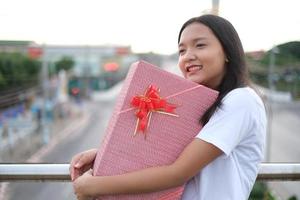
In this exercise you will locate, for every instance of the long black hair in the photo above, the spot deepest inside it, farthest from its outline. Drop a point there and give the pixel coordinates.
(236, 74)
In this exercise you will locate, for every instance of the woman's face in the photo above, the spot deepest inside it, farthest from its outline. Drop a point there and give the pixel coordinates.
(201, 56)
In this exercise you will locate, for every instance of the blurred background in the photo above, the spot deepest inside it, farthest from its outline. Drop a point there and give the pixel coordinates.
(62, 64)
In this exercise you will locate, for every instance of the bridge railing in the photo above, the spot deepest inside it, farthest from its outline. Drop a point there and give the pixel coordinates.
(60, 172)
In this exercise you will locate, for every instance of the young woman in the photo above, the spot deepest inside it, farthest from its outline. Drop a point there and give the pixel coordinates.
(222, 161)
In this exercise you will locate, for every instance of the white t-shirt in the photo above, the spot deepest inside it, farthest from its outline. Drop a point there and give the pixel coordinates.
(238, 128)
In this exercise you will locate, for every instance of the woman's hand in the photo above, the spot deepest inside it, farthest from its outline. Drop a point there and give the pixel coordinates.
(81, 163)
(81, 187)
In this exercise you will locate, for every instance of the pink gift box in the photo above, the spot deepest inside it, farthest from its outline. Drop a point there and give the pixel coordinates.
(166, 135)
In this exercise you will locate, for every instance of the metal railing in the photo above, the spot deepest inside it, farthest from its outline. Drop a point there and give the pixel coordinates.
(60, 172)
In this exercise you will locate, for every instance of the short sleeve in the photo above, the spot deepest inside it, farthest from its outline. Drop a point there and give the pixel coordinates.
(230, 123)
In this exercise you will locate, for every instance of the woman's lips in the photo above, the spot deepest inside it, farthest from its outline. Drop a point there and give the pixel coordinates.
(193, 68)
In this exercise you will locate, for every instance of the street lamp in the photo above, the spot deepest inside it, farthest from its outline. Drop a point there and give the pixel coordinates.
(271, 77)
(45, 86)
(271, 80)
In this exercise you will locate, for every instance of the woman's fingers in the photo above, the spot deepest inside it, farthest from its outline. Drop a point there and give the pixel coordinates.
(87, 158)
(81, 163)
(76, 174)
(73, 162)
(83, 160)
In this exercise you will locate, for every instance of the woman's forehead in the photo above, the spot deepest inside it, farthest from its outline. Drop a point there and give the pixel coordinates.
(195, 32)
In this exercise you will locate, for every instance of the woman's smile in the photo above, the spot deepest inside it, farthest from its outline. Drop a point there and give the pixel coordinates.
(193, 68)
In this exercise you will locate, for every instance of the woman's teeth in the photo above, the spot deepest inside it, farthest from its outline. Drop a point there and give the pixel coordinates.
(193, 68)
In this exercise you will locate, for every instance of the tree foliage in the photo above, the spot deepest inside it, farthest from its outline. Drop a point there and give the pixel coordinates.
(288, 54)
(65, 63)
(17, 70)
(285, 67)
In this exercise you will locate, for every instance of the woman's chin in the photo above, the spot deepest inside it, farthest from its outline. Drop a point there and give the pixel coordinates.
(194, 79)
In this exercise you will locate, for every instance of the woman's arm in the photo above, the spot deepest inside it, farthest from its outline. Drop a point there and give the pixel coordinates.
(194, 157)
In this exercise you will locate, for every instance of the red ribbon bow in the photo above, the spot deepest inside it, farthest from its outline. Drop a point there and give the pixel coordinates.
(148, 103)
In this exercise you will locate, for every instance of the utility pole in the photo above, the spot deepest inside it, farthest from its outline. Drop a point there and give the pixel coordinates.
(272, 88)
(271, 76)
(215, 7)
(45, 93)
(87, 72)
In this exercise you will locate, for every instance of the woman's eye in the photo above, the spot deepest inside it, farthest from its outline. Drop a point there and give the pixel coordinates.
(181, 51)
(200, 45)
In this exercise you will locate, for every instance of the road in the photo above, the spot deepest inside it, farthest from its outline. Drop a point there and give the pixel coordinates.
(88, 137)
(285, 142)
(284, 146)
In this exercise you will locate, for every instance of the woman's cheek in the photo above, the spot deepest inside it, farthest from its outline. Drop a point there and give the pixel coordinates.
(183, 72)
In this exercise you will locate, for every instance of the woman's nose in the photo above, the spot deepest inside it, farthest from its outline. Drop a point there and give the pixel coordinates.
(189, 55)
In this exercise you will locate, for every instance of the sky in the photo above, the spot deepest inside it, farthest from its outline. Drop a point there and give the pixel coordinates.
(145, 25)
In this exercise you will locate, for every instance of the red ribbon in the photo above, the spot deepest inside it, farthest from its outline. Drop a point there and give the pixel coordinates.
(148, 103)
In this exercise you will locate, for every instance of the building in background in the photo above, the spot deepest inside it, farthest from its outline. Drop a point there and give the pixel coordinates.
(93, 64)
(11, 46)
(96, 67)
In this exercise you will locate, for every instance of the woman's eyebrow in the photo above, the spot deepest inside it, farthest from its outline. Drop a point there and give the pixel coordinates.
(199, 39)
(193, 40)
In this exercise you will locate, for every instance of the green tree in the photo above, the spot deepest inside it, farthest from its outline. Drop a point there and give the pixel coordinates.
(65, 63)
(260, 192)
(289, 54)
(286, 69)
(2, 80)
(293, 198)
(17, 70)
